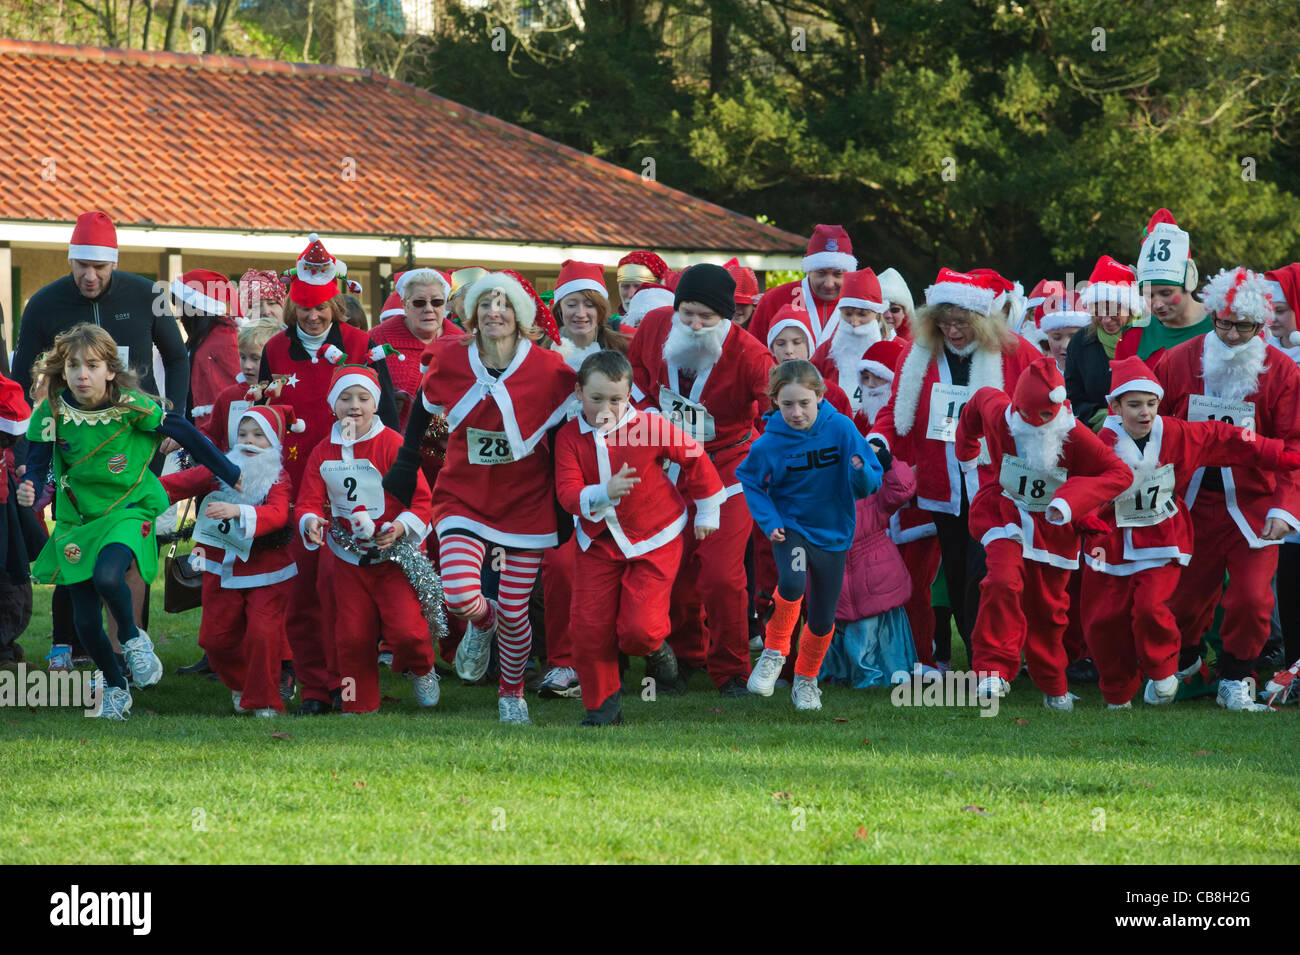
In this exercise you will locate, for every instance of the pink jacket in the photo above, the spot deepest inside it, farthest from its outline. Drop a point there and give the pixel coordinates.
(875, 577)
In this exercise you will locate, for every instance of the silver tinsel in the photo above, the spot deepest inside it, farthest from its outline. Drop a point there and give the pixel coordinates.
(418, 569)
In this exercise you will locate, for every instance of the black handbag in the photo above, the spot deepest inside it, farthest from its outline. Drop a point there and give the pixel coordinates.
(182, 581)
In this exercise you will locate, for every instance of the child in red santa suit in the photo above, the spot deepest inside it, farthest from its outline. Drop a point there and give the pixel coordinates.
(1133, 568)
(1241, 513)
(609, 473)
(342, 486)
(1044, 471)
(227, 411)
(242, 542)
(858, 326)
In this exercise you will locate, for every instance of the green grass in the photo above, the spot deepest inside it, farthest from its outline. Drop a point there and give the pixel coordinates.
(695, 778)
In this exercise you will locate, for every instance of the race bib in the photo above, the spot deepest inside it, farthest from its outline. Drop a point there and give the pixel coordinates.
(124, 356)
(690, 416)
(1033, 490)
(488, 447)
(1149, 501)
(1205, 408)
(350, 483)
(1164, 255)
(946, 402)
(237, 409)
(223, 532)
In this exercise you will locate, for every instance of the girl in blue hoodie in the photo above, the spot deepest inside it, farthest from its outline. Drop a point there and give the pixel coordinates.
(801, 479)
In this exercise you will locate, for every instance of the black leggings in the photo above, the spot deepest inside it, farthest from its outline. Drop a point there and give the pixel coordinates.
(109, 585)
(800, 566)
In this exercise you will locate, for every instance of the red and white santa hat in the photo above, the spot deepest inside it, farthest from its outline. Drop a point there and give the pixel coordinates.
(316, 275)
(421, 276)
(862, 290)
(15, 415)
(640, 266)
(392, 306)
(275, 421)
(1039, 388)
(960, 289)
(1115, 283)
(1001, 286)
(345, 376)
(580, 277)
(94, 238)
(829, 248)
(882, 359)
(1132, 374)
(529, 309)
(257, 286)
(747, 290)
(208, 292)
(787, 316)
(1239, 293)
(1055, 308)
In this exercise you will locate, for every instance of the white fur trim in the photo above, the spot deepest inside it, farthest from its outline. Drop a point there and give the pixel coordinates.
(785, 323)
(1137, 384)
(525, 310)
(644, 302)
(1127, 295)
(895, 290)
(579, 285)
(1062, 505)
(92, 253)
(196, 299)
(876, 368)
(311, 278)
(829, 260)
(1057, 394)
(1056, 320)
(971, 297)
(985, 371)
(9, 426)
(390, 312)
(879, 307)
(422, 277)
(347, 381)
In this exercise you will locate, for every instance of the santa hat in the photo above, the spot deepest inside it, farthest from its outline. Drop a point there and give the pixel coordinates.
(208, 292)
(259, 286)
(14, 412)
(646, 300)
(862, 290)
(640, 266)
(1241, 293)
(1055, 307)
(962, 290)
(1115, 283)
(882, 359)
(385, 351)
(787, 316)
(580, 277)
(392, 306)
(316, 276)
(1002, 287)
(1071, 318)
(331, 353)
(529, 309)
(94, 238)
(421, 277)
(1132, 374)
(363, 525)
(275, 421)
(895, 290)
(747, 290)
(1039, 388)
(829, 248)
(1284, 286)
(345, 376)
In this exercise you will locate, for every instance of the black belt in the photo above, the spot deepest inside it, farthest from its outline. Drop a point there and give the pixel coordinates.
(713, 455)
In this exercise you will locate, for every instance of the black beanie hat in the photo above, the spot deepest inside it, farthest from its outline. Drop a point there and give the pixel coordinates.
(710, 285)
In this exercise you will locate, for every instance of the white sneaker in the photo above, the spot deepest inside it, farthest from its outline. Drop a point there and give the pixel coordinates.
(1239, 695)
(560, 683)
(265, 712)
(992, 686)
(114, 704)
(1120, 706)
(805, 693)
(235, 697)
(474, 652)
(427, 691)
(513, 709)
(386, 658)
(762, 680)
(146, 669)
(1187, 671)
(1065, 703)
(1160, 692)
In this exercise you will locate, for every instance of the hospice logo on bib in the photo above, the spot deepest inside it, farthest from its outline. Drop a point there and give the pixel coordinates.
(117, 464)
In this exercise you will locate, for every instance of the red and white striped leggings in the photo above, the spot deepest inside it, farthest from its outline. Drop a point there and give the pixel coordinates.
(461, 559)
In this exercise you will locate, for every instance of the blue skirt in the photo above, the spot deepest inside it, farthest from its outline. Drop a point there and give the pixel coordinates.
(877, 651)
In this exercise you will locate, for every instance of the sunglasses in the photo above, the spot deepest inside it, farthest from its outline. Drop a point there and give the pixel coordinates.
(1244, 329)
(421, 302)
(957, 326)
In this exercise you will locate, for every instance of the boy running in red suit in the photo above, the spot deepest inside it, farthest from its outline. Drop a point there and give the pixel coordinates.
(1044, 471)
(608, 471)
(342, 486)
(1240, 513)
(242, 542)
(1133, 569)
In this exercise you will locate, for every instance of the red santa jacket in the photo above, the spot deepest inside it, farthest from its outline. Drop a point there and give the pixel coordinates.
(214, 365)
(498, 482)
(1251, 495)
(222, 426)
(653, 512)
(1185, 448)
(799, 294)
(847, 378)
(341, 476)
(1094, 475)
(265, 564)
(731, 391)
(903, 423)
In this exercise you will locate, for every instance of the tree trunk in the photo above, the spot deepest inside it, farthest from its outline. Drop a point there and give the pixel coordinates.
(345, 33)
(719, 27)
(220, 13)
(148, 20)
(173, 24)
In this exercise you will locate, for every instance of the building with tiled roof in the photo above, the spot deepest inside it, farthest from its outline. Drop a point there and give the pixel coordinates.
(227, 163)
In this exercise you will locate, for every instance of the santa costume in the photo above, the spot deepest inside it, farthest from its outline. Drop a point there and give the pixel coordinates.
(249, 566)
(639, 268)
(829, 248)
(898, 295)
(748, 294)
(1285, 287)
(207, 304)
(1045, 470)
(1259, 388)
(710, 383)
(837, 357)
(791, 318)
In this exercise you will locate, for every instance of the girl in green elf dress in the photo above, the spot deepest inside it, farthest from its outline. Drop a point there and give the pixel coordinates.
(101, 433)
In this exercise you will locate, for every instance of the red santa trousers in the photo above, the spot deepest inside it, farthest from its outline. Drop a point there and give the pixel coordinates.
(921, 558)
(619, 605)
(1023, 606)
(557, 591)
(309, 622)
(366, 598)
(712, 577)
(1076, 646)
(1248, 601)
(242, 632)
(1130, 629)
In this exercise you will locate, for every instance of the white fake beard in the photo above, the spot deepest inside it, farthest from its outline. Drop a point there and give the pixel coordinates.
(691, 350)
(1232, 373)
(258, 473)
(965, 352)
(873, 399)
(1040, 446)
(848, 345)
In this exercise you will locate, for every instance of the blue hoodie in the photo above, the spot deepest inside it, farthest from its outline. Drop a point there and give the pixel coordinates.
(805, 480)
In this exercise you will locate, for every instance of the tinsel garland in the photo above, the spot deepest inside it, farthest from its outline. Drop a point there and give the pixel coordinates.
(418, 569)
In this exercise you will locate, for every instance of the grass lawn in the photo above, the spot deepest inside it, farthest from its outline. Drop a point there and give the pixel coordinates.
(695, 778)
